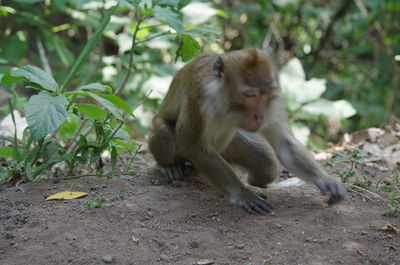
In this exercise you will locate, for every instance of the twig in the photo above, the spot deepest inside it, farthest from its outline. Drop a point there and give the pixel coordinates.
(155, 36)
(123, 83)
(365, 190)
(153, 26)
(75, 135)
(128, 165)
(17, 185)
(97, 175)
(341, 12)
(42, 55)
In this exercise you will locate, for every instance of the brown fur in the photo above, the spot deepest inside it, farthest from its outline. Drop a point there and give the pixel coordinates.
(212, 105)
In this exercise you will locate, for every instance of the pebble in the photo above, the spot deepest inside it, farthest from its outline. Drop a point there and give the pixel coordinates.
(164, 257)
(107, 258)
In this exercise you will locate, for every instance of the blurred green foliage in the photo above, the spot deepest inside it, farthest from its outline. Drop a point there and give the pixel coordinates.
(78, 114)
(353, 45)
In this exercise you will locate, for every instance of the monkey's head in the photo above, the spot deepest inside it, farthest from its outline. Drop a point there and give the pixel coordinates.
(248, 78)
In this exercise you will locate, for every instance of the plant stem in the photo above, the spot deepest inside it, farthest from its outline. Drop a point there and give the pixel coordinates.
(123, 83)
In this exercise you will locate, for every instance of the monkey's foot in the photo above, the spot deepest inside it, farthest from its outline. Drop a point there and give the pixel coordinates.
(333, 187)
(253, 203)
(173, 172)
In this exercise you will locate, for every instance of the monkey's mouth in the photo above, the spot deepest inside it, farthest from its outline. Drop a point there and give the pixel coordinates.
(251, 127)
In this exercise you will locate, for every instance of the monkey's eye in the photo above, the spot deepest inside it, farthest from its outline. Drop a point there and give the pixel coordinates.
(249, 94)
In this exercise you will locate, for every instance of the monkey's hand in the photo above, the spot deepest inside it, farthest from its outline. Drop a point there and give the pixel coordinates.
(252, 202)
(333, 187)
(173, 172)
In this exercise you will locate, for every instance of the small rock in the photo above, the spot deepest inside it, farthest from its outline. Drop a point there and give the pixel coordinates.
(204, 262)
(107, 258)
(135, 240)
(70, 237)
(164, 257)
(9, 236)
(155, 182)
(240, 246)
(194, 244)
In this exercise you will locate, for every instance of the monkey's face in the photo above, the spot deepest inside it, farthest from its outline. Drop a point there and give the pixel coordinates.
(248, 78)
(250, 106)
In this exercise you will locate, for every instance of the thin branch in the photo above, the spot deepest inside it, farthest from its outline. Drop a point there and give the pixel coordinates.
(155, 36)
(75, 135)
(341, 12)
(365, 190)
(153, 26)
(123, 83)
(42, 55)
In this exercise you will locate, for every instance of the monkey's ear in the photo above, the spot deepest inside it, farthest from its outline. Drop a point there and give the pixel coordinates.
(218, 68)
(253, 57)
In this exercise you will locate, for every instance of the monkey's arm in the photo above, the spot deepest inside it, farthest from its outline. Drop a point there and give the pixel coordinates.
(221, 175)
(193, 146)
(296, 158)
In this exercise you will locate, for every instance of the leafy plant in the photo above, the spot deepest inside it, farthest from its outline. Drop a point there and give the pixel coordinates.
(76, 122)
(354, 156)
(100, 201)
(304, 100)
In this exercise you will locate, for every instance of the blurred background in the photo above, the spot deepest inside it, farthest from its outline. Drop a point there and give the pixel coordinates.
(339, 60)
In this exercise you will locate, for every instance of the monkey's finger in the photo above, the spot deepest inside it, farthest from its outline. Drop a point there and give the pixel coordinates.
(262, 195)
(248, 208)
(264, 205)
(168, 174)
(256, 208)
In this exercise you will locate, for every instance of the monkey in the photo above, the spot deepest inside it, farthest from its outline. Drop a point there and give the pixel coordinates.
(224, 109)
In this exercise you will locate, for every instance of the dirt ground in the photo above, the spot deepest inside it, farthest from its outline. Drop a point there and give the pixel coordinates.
(152, 222)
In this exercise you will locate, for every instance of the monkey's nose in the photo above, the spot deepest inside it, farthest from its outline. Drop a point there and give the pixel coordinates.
(258, 117)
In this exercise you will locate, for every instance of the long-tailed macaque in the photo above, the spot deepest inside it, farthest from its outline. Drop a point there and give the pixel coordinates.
(209, 117)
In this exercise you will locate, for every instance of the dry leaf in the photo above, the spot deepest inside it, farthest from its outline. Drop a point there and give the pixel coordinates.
(66, 195)
(389, 228)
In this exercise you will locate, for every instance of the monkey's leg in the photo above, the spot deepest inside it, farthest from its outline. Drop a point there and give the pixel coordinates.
(162, 145)
(256, 155)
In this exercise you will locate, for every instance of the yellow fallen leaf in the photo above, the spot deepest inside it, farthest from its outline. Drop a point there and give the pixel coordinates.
(66, 195)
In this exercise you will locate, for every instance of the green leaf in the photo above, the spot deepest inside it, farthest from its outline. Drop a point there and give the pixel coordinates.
(310, 90)
(171, 3)
(117, 101)
(45, 113)
(335, 110)
(14, 48)
(204, 32)
(294, 69)
(190, 48)
(92, 111)
(107, 104)
(6, 151)
(37, 76)
(169, 16)
(198, 13)
(28, 1)
(301, 132)
(96, 86)
(9, 80)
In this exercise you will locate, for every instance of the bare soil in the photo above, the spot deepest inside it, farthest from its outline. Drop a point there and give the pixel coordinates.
(188, 223)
